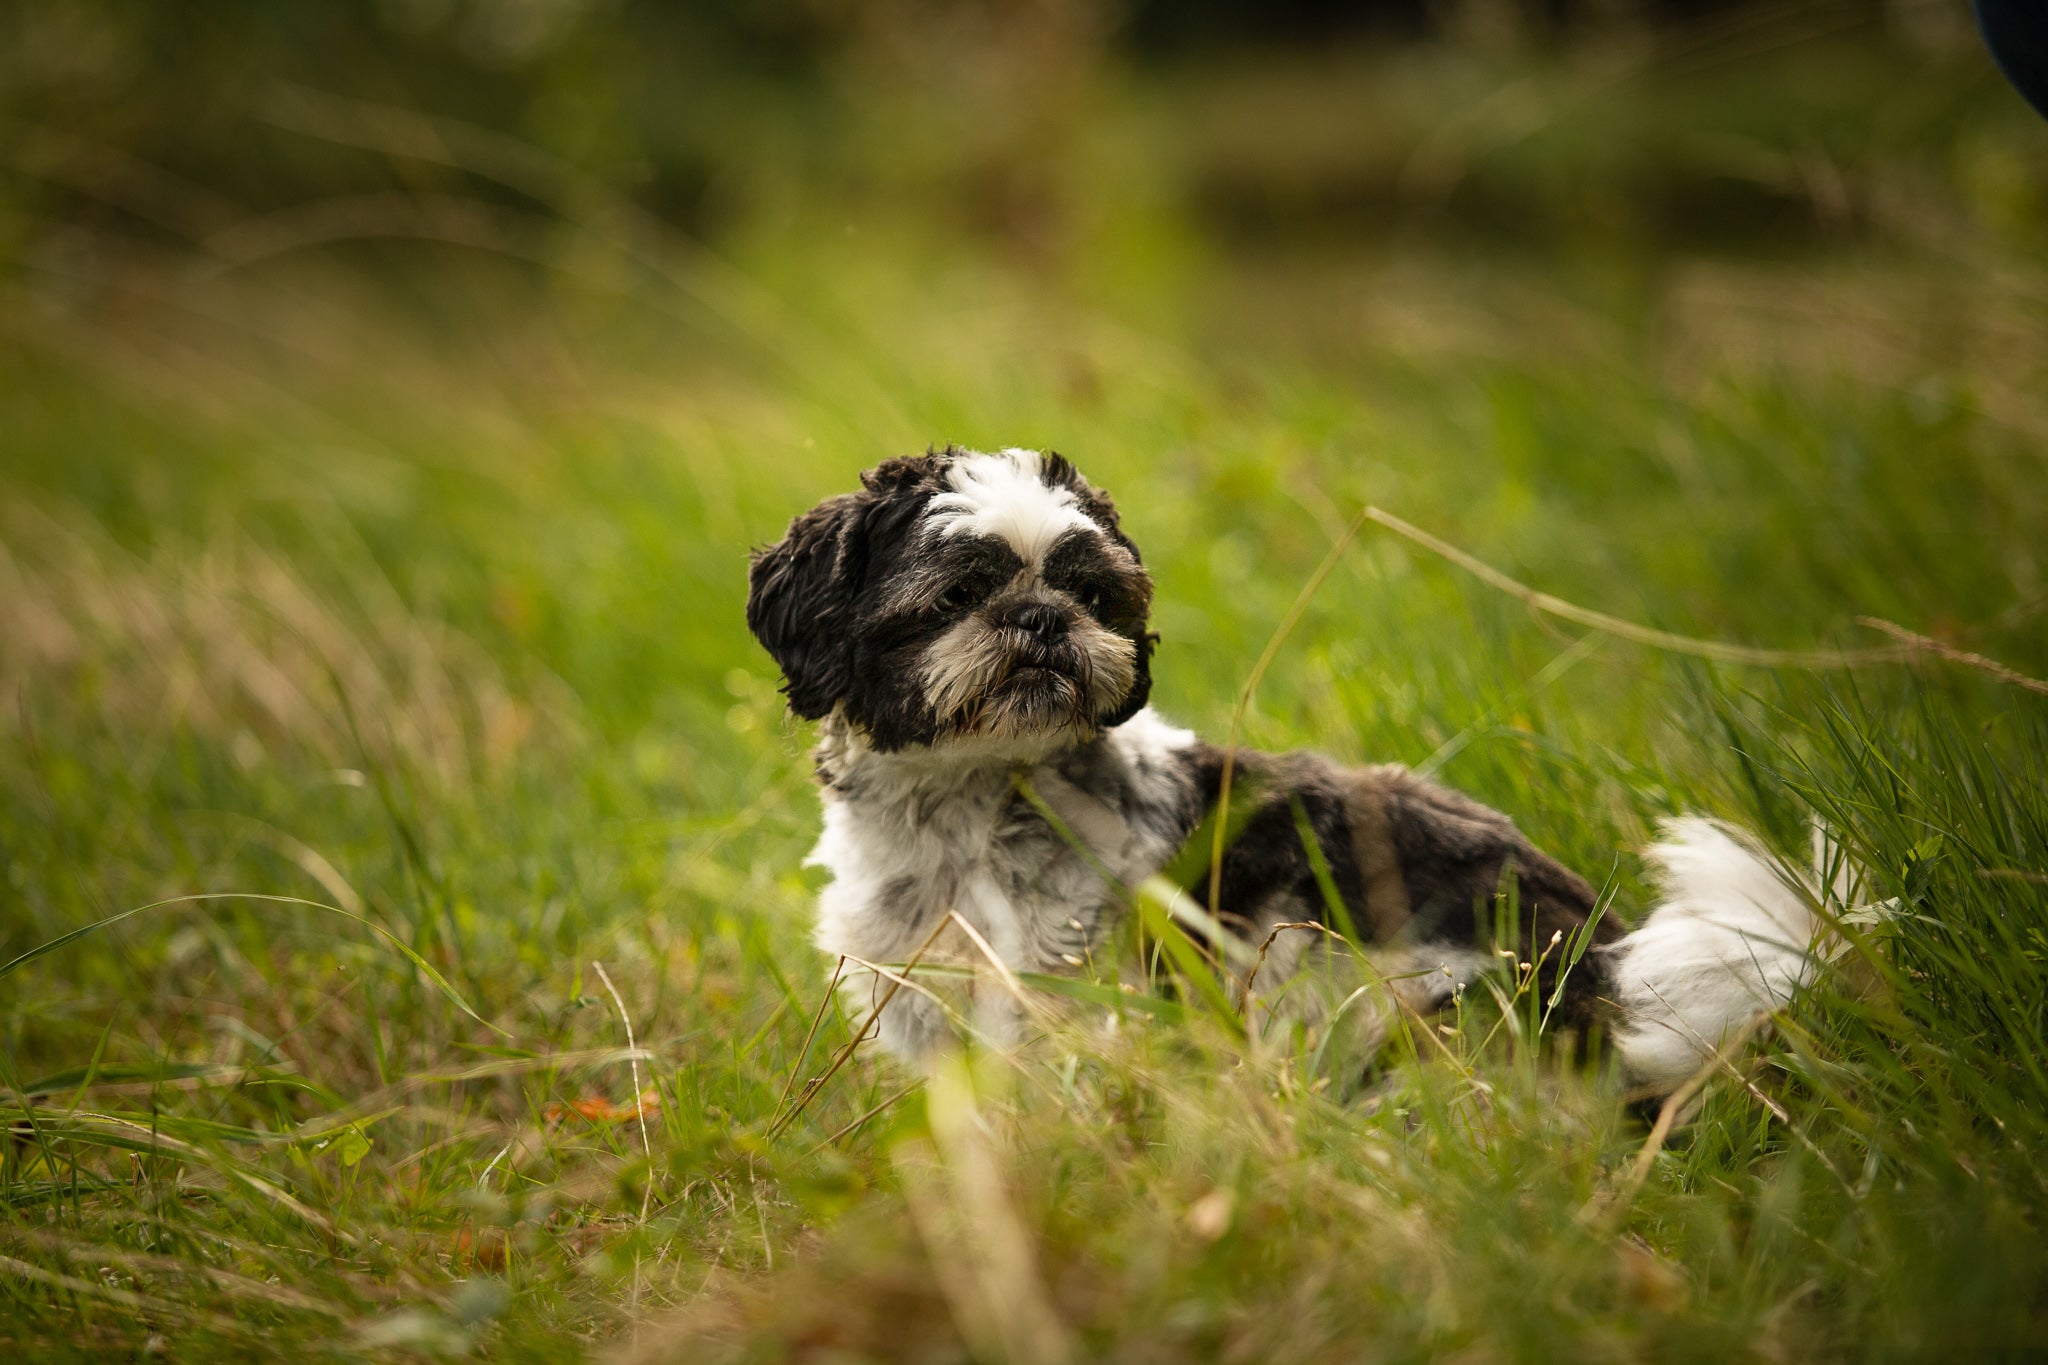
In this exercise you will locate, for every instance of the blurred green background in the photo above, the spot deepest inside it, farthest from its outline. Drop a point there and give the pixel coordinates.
(389, 395)
(418, 262)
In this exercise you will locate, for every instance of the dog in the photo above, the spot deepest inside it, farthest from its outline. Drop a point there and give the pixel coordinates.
(970, 630)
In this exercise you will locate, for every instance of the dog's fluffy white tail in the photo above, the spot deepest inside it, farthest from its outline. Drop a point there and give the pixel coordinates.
(1732, 934)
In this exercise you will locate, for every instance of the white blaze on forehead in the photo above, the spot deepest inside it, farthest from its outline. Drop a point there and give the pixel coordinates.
(1005, 495)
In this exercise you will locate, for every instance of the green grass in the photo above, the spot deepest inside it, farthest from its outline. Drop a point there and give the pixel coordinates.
(404, 580)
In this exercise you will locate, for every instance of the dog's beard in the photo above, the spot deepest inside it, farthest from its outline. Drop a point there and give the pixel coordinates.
(983, 679)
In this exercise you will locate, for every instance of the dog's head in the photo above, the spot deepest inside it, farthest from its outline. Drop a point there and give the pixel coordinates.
(959, 596)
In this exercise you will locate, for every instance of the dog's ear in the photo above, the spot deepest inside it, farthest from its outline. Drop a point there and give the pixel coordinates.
(1059, 472)
(1141, 683)
(800, 601)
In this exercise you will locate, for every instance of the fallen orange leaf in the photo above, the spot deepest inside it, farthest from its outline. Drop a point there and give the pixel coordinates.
(488, 1249)
(598, 1109)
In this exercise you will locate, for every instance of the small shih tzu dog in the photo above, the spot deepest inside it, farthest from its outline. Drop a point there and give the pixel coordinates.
(970, 629)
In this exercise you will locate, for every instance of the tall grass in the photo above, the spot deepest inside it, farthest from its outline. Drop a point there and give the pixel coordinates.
(405, 581)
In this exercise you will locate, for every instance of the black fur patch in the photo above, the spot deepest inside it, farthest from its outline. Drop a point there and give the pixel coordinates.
(799, 600)
(1454, 857)
(1266, 862)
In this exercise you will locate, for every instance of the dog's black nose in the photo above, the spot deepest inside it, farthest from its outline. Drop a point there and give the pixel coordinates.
(1041, 619)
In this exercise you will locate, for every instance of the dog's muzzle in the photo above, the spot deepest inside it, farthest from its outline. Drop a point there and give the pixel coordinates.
(1025, 666)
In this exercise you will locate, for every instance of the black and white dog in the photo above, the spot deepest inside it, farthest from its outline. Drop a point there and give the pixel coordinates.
(970, 629)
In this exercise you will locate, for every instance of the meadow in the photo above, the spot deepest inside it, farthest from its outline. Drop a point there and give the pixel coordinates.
(403, 931)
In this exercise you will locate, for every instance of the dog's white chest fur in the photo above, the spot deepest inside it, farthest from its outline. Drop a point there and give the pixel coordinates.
(910, 837)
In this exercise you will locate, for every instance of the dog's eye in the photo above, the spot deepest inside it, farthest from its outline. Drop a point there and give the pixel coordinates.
(954, 598)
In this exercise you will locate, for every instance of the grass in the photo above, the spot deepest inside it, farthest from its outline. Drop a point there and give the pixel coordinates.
(370, 628)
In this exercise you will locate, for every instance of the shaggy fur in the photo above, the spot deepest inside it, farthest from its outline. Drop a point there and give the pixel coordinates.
(971, 630)
(1732, 934)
